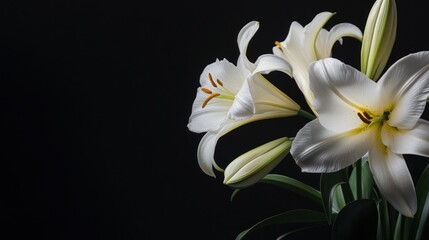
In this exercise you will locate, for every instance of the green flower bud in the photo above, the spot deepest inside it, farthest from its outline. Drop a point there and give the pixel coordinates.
(253, 165)
(378, 38)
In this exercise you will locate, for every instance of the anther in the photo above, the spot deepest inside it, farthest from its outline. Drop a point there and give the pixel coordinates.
(210, 98)
(365, 120)
(211, 81)
(208, 91)
(219, 82)
(278, 44)
(367, 115)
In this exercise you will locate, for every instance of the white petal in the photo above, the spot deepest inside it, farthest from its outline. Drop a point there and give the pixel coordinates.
(209, 118)
(259, 96)
(243, 39)
(268, 62)
(413, 141)
(311, 30)
(392, 177)
(316, 149)
(229, 74)
(406, 87)
(207, 146)
(324, 46)
(341, 92)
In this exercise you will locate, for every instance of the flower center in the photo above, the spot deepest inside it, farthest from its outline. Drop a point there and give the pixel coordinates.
(370, 118)
(212, 94)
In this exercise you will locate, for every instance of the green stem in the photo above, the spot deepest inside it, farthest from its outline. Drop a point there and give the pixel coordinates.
(359, 179)
(306, 114)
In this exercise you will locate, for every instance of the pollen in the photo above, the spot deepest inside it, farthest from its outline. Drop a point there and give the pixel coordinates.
(210, 97)
(278, 44)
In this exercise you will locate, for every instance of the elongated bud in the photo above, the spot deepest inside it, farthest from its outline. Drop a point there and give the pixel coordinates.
(253, 165)
(378, 38)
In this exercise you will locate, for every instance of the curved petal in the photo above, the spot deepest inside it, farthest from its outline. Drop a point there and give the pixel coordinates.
(226, 72)
(412, 141)
(209, 118)
(268, 62)
(406, 88)
(392, 177)
(311, 30)
(325, 45)
(259, 96)
(316, 149)
(341, 92)
(244, 36)
(207, 145)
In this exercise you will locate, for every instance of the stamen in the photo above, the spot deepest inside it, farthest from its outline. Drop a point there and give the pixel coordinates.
(208, 91)
(278, 44)
(363, 118)
(219, 82)
(210, 98)
(367, 115)
(211, 81)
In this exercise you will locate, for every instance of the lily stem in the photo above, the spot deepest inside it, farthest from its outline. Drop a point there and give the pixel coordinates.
(359, 179)
(306, 114)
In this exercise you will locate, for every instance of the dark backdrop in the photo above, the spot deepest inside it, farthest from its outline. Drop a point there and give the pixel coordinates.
(95, 99)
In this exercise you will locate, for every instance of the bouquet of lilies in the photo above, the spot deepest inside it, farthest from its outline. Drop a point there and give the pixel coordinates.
(362, 122)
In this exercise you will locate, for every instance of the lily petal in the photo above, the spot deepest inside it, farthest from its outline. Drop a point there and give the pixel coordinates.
(316, 149)
(341, 92)
(326, 40)
(393, 178)
(312, 30)
(268, 62)
(412, 141)
(259, 96)
(407, 83)
(244, 36)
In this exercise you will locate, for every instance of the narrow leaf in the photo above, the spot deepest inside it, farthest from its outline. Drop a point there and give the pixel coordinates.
(329, 181)
(292, 216)
(366, 178)
(420, 222)
(293, 185)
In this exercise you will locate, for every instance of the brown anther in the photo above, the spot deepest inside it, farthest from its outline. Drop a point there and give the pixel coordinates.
(208, 91)
(363, 118)
(209, 98)
(211, 81)
(219, 82)
(367, 115)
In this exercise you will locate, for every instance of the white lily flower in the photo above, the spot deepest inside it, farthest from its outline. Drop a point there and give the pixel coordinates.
(220, 105)
(252, 166)
(358, 115)
(303, 45)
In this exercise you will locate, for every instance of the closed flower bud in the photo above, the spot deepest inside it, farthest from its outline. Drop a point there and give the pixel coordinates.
(253, 165)
(378, 38)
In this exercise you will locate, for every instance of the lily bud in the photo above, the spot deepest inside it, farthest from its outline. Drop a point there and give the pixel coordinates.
(378, 38)
(253, 165)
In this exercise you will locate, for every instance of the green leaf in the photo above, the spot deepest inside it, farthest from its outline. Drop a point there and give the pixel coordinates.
(398, 228)
(293, 185)
(328, 182)
(281, 237)
(357, 220)
(366, 178)
(233, 194)
(292, 216)
(420, 223)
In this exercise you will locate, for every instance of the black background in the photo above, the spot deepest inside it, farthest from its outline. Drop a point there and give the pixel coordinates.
(95, 99)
